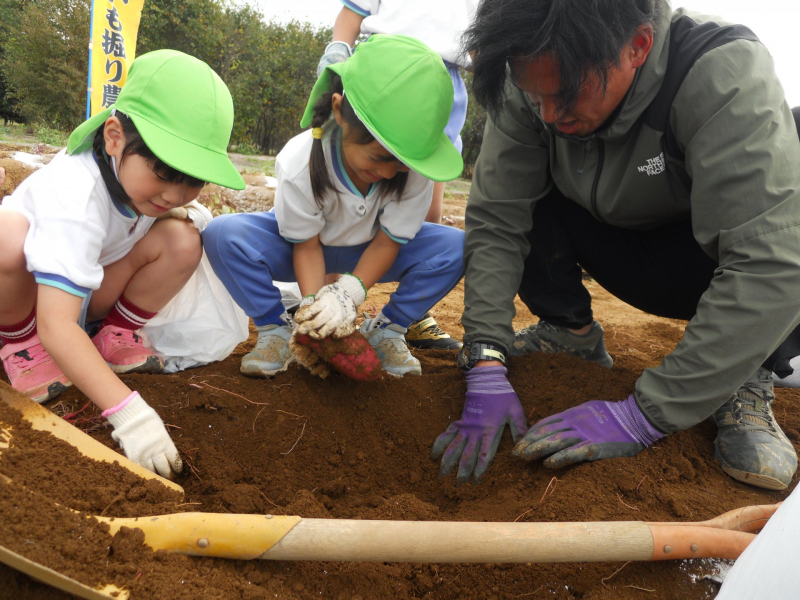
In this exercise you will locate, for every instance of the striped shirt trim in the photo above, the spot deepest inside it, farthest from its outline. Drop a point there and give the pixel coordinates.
(124, 209)
(393, 238)
(355, 8)
(62, 283)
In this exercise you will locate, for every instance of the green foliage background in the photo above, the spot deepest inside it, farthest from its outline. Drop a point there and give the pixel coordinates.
(269, 67)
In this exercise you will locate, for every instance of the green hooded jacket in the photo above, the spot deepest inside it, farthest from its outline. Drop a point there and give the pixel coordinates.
(730, 163)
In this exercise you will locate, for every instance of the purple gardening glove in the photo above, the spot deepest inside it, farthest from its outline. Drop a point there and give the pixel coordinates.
(472, 442)
(590, 431)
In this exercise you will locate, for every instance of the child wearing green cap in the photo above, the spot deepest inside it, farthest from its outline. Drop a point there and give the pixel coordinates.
(352, 198)
(439, 24)
(83, 242)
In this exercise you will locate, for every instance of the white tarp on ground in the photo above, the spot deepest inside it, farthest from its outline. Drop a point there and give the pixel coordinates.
(32, 160)
(770, 567)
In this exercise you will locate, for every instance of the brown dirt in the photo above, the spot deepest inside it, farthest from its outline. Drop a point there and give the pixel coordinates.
(336, 448)
(341, 449)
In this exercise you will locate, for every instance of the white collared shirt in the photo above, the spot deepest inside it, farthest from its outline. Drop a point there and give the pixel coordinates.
(351, 218)
(75, 227)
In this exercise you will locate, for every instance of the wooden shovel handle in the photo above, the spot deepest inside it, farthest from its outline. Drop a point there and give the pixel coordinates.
(293, 538)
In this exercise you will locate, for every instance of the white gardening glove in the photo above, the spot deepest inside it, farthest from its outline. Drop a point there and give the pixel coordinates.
(335, 52)
(141, 433)
(333, 312)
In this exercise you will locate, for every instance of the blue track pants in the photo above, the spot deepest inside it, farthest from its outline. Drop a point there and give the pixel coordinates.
(247, 253)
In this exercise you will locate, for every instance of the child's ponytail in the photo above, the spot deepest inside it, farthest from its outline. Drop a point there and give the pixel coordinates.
(318, 169)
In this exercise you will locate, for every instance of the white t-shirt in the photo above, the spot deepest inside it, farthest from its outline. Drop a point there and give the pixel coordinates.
(438, 23)
(75, 227)
(351, 219)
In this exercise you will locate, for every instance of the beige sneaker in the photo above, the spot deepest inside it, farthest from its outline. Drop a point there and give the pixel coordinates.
(390, 344)
(271, 354)
(750, 445)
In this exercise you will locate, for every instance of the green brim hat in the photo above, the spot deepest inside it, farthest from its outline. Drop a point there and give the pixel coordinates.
(401, 91)
(182, 110)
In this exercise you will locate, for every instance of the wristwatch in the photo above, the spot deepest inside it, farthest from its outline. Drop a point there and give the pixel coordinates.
(475, 351)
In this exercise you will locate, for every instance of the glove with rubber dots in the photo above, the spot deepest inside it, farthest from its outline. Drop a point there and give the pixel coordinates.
(141, 434)
(335, 52)
(591, 431)
(333, 312)
(472, 441)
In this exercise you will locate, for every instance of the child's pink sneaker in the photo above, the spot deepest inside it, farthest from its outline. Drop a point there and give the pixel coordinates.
(124, 351)
(32, 371)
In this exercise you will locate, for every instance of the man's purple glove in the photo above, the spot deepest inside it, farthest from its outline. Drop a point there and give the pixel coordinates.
(472, 442)
(590, 431)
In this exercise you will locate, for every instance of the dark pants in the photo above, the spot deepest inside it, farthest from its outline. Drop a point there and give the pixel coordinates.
(662, 271)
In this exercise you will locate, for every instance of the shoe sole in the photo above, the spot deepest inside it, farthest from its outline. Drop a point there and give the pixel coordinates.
(400, 375)
(434, 344)
(762, 481)
(258, 373)
(152, 365)
(54, 390)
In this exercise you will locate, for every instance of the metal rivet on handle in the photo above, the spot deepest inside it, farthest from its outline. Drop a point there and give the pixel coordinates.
(695, 547)
(667, 549)
(202, 543)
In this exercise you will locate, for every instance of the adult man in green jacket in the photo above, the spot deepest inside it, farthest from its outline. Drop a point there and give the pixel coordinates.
(656, 151)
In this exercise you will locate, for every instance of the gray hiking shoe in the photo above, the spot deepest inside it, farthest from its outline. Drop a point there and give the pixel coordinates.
(548, 338)
(750, 445)
(271, 354)
(390, 344)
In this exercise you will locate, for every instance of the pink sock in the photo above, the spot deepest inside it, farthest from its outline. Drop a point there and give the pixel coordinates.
(127, 315)
(19, 332)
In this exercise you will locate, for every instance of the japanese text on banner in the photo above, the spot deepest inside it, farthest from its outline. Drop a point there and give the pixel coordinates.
(115, 26)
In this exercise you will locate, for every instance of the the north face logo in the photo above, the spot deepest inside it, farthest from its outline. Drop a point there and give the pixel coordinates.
(654, 166)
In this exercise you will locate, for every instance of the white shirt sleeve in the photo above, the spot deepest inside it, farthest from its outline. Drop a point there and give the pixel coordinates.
(299, 218)
(63, 244)
(401, 220)
(67, 225)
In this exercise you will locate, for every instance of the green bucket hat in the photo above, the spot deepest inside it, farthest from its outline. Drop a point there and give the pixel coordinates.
(402, 92)
(183, 111)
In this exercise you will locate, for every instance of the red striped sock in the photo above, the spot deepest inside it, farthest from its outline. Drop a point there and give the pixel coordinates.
(127, 315)
(19, 332)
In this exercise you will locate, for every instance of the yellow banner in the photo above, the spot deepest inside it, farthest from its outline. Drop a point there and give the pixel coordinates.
(115, 26)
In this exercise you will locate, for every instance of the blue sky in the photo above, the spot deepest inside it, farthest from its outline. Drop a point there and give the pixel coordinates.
(774, 21)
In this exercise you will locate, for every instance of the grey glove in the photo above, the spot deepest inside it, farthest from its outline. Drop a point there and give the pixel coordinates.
(335, 52)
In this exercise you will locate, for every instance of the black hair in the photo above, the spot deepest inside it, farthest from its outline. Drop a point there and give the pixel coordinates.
(584, 37)
(134, 144)
(357, 133)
